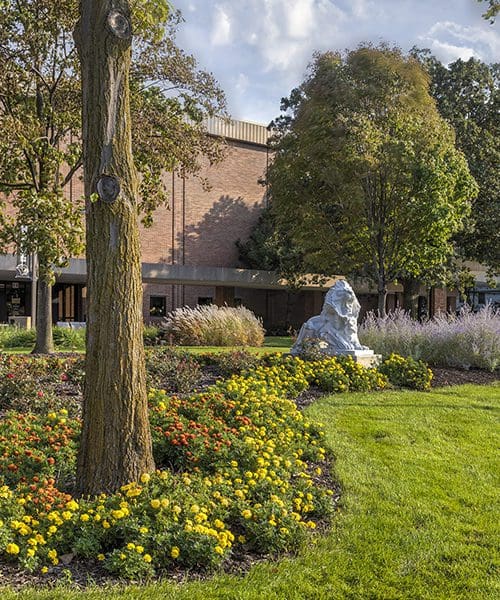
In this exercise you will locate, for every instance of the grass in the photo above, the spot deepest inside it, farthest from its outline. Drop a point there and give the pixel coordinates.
(271, 344)
(419, 515)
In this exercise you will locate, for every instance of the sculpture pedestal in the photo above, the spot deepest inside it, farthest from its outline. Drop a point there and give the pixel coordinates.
(366, 358)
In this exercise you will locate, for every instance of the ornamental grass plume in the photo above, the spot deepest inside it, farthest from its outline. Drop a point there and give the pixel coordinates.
(212, 325)
(467, 340)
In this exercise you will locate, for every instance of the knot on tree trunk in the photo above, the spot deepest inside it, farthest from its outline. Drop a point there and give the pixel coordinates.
(119, 25)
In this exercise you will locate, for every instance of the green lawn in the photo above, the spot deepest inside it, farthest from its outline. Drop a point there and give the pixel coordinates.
(419, 518)
(271, 344)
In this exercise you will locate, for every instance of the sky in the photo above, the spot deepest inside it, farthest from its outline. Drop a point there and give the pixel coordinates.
(259, 50)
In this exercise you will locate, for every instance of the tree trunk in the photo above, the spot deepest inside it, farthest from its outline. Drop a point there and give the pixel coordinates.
(410, 296)
(382, 296)
(44, 341)
(116, 440)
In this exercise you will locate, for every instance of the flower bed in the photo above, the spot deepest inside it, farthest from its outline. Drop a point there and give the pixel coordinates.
(234, 471)
(238, 467)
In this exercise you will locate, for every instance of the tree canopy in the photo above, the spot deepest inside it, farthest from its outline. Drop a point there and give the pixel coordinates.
(366, 176)
(467, 94)
(40, 118)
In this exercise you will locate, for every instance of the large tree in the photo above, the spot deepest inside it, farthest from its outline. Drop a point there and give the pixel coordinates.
(39, 107)
(40, 120)
(467, 94)
(366, 176)
(115, 446)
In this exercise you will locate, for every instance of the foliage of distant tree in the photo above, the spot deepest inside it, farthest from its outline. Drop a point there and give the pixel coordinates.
(366, 176)
(467, 94)
(40, 120)
(270, 249)
(492, 11)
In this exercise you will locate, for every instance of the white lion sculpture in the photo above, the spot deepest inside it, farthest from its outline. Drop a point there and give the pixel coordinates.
(336, 328)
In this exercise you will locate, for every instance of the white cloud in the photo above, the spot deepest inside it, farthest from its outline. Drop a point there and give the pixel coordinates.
(241, 84)
(451, 41)
(301, 18)
(221, 28)
(448, 53)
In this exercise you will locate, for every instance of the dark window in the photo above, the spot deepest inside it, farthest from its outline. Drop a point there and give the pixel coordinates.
(204, 300)
(238, 302)
(157, 306)
(481, 298)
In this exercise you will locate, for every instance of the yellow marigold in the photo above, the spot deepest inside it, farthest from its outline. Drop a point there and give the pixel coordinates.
(143, 530)
(52, 553)
(72, 505)
(44, 570)
(174, 552)
(130, 546)
(139, 549)
(106, 524)
(147, 558)
(145, 477)
(155, 503)
(219, 550)
(30, 552)
(12, 548)
(100, 557)
(246, 514)
(85, 517)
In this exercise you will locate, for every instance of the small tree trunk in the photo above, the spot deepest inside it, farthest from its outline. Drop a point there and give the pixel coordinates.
(410, 296)
(382, 296)
(44, 341)
(116, 441)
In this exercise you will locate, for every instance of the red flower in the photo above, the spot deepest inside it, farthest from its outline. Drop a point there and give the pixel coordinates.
(39, 394)
(10, 375)
(64, 377)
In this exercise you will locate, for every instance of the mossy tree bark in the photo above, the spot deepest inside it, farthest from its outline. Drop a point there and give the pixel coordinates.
(116, 440)
(44, 343)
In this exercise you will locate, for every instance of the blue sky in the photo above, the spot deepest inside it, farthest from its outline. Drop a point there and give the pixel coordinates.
(259, 50)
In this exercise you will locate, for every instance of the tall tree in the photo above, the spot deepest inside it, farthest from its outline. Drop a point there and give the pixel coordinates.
(40, 111)
(115, 445)
(467, 94)
(366, 176)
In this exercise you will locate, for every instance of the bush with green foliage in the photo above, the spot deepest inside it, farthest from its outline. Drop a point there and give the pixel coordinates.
(406, 372)
(151, 335)
(15, 337)
(69, 339)
(214, 326)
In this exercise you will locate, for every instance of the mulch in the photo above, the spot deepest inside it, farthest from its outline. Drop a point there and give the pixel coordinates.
(447, 376)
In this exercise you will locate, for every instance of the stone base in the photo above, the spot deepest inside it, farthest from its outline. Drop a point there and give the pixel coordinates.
(366, 358)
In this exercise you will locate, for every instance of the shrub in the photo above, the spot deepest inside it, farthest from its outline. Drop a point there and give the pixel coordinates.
(15, 337)
(172, 370)
(406, 372)
(151, 335)
(69, 339)
(214, 326)
(467, 340)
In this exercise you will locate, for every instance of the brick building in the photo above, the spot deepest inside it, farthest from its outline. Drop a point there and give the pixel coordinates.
(189, 255)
